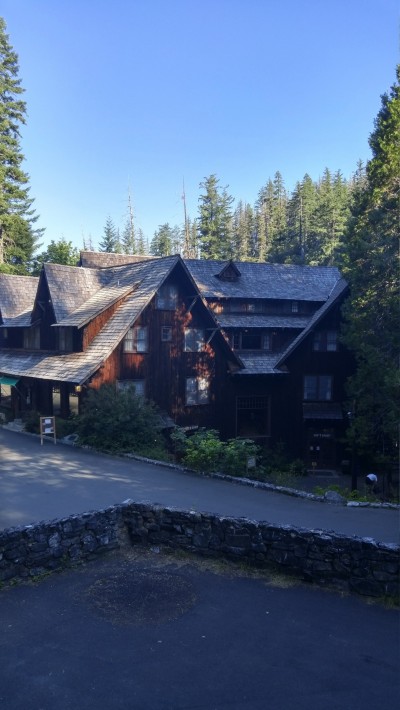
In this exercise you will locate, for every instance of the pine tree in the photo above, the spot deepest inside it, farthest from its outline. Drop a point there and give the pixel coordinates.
(214, 222)
(128, 241)
(243, 233)
(142, 247)
(110, 239)
(17, 236)
(371, 266)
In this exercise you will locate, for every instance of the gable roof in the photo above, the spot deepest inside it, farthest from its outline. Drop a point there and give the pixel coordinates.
(340, 289)
(17, 296)
(77, 367)
(262, 280)
(69, 286)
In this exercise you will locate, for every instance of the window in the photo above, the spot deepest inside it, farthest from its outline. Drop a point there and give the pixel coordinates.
(166, 333)
(318, 387)
(167, 297)
(139, 385)
(194, 340)
(325, 341)
(32, 338)
(295, 306)
(65, 339)
(135, 340)
(197, 390)
(251, 340)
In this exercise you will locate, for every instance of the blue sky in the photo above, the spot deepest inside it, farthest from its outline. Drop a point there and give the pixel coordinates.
(140, 94)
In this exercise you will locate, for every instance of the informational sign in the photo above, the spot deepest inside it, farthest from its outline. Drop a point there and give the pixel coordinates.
(47, 428)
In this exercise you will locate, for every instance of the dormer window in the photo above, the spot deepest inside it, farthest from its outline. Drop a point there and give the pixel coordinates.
(65, 339)
(229, 272)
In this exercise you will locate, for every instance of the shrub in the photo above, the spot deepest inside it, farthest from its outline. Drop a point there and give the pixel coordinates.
(203, 450)
(118, 421)
(236, 455)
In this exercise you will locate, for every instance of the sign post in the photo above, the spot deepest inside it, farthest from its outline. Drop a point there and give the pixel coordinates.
(47, 426)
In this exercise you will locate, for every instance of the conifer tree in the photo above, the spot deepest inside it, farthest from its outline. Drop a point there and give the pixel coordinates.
(214, 222)
(371, 266)
(128, 241)
(110, 239)
(17, 236)
(161, 244)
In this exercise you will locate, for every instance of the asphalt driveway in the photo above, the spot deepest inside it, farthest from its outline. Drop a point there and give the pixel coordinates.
(51, 481)
(144, 632)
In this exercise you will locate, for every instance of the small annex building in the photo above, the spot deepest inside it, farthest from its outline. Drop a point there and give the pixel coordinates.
(250, 349)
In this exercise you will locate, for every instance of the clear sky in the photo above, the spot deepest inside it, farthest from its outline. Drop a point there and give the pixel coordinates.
(140, 94)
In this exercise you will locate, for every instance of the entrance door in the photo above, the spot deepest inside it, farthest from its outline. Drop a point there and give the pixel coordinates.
(321, 449)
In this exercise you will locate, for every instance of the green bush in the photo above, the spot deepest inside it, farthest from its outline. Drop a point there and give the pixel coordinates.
(236, 455)
(204, 451)
(118, 421)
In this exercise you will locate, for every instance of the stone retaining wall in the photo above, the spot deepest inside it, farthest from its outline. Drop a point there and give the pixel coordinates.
(353, 564)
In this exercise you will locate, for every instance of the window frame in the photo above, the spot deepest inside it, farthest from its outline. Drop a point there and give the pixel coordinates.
(134, 344)
(197, 391)
(167, 297)
(194, 340)
(317, 388)
(325, 341)
(166, 330)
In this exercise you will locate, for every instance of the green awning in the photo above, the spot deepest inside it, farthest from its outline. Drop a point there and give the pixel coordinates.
(11, 381)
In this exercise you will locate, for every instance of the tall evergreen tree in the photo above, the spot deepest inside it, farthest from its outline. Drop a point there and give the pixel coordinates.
(128, 241)
(162, 242)
(243, 232)
(17, 235)
(214, 221)
(371, 266)
(302, 221)
(142, 246)
(110, 239)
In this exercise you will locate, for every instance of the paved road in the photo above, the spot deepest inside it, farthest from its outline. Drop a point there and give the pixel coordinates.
(44, 482)
(142, 635)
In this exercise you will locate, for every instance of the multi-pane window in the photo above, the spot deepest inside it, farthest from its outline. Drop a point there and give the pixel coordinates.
(295, 306)
(135, 340)
(138, 386)
(167, 297)
(197, 390)
(166, 333)
(325, 341)
(194, 340)
(318, 387)
(32, 338)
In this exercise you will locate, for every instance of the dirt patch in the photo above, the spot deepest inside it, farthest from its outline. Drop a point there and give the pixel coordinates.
(141, 596)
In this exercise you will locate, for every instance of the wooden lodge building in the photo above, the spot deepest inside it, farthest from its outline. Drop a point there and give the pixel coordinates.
(250, 349)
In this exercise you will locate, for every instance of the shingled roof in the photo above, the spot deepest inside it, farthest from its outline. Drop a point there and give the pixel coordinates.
(104, 259)
(79, 366)
(260, 280)
(340, 288)
(17, 296)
